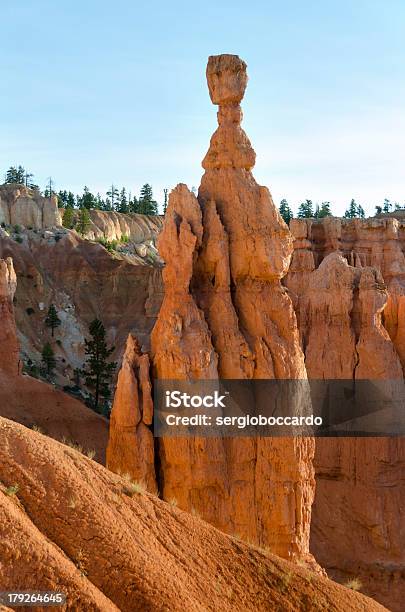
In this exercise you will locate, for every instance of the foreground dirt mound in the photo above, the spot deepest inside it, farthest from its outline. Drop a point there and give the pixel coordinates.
(68, 523)
(37, 404)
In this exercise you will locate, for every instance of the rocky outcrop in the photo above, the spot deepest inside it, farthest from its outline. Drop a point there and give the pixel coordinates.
(356, 529)
(111, 225)
(130, 448)
(377, 242)
(225, 313)
(22, 206)
(340, 315)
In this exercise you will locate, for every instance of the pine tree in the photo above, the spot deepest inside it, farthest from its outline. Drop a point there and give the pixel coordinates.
(48, 358)
(387, 206)
(113, 196)
(83, 222)
(62, 199)
(70, 202)
(324, 210)
(20, 176)
(52, 320)
(15, 175)
(123, 202)
(165, 191)
(68, 218)
(306, 210)
(11, 175)
(378, 210)
(49, 191)
(147, 205)
(28, 182)
(360, 212)
(87, 200)
(352, 211)
(285, 211)
(99, 203)
(134, 205)
(97, 370)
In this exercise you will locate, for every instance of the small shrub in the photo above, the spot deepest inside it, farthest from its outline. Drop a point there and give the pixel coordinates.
(57, 237)
(134, 487)
(12, 490)
(30, 311)
(71, 444)
(58, 342)
(91, 453)
(3, 225)
(354, 584)
(17, 229)
(285, 581)
(37, 428)
(110, 246)
(18, 239)
(124, 238)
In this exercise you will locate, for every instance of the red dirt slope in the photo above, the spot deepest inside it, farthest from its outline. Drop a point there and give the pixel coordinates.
(73, 525)
(35, 403)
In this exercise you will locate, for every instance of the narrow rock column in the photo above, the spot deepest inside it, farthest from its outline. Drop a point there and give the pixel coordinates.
(130, 448)
(225, 313)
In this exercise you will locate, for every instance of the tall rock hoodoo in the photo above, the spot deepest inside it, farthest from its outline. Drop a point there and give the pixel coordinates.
(225, 314)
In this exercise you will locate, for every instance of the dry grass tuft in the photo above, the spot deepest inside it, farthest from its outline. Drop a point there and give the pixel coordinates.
(12, 490)
(134, 487)
(354, 584)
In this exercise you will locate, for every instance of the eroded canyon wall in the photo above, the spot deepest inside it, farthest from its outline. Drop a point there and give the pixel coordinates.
(84, 281)
(36, 403)
(346, 279)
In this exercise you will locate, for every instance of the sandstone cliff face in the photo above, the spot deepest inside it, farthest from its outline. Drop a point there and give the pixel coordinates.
(376, 242)
(36, 403)
(111, 225)
(20, 205)
(226, 314)
(356, 527)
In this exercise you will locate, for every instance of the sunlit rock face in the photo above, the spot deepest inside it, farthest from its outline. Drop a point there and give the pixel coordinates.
(226, 314)
(348, 278)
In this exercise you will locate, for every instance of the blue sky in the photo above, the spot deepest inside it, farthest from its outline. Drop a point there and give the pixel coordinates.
(94, 92)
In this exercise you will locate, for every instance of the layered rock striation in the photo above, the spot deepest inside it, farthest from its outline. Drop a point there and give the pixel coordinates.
(347, 278)
(35, 403)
